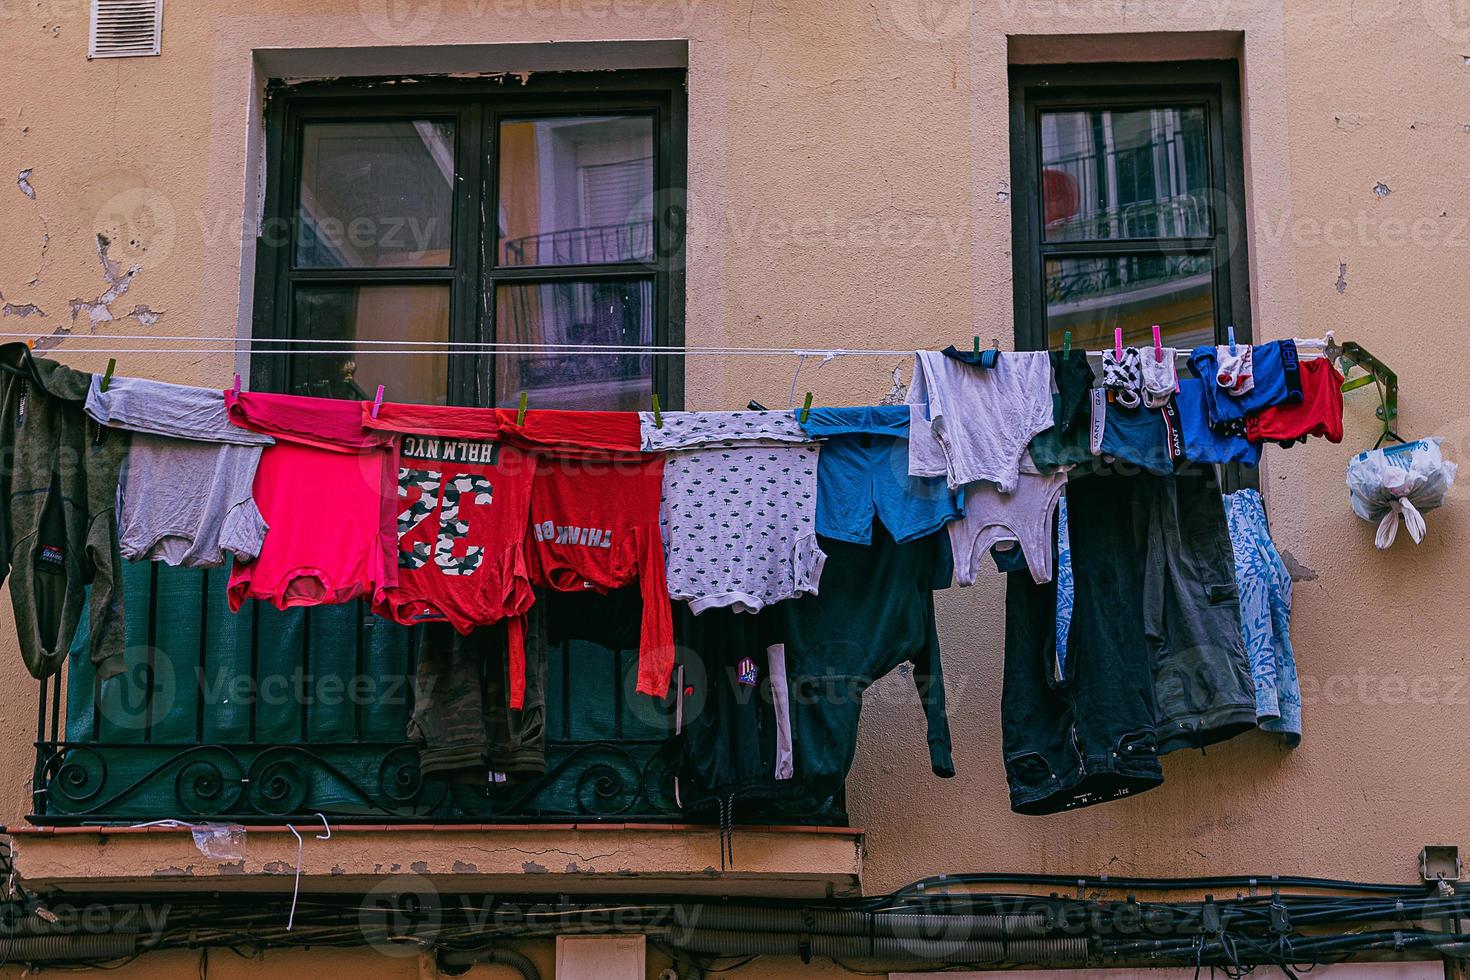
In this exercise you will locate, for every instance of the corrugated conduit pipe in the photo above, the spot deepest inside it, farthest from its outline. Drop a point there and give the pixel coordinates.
(746, 931)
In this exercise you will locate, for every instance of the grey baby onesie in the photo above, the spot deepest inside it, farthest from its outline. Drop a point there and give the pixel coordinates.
(185, 496)
(739, 508)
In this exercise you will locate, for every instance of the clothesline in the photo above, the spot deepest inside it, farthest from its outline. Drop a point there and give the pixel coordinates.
(171, 344)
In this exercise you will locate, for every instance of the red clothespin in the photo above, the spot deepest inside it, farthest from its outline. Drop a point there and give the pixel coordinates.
(1118, 343)
(377, 401)
(1158, 346)
(237, 385)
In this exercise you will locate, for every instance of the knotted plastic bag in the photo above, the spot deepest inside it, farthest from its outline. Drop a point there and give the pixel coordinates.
(1399, 484)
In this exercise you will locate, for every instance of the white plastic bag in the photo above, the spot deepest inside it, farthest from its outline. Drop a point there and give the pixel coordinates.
(1399, 484)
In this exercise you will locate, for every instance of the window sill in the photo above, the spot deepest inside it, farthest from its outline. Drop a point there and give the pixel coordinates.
(784, 862)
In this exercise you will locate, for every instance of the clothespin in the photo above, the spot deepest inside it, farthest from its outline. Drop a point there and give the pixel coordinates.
(237, 384)
(806, 407)
(521, 412)
(1067, 343)
(1118, 343)
(107, 375)
(658, 416)
(1230, 334)
(377, 401)
(1158, 346)
(977, 346)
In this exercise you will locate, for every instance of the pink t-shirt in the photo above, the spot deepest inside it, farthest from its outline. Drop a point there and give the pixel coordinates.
(326, 492)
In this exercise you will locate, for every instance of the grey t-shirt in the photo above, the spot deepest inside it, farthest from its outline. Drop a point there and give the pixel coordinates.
(185, 496)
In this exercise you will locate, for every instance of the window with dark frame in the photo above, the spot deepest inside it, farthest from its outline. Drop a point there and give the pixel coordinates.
(1129, 204)
(476, 211)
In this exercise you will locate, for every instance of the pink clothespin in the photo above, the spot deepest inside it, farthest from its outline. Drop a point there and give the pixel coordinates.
(378, 401)
(1118, 343)
(1158, 346)
(237, 385)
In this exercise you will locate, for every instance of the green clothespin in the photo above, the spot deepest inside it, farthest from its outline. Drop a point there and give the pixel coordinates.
(521, 412)
(977, 346)
(658, 416)
(107, 375)
(1066, 343)
(806, 407)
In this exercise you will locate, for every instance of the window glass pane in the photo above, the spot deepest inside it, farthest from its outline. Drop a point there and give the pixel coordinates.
(576, 189)
(1093, 295)
(352, 313)
(375, 194)
(1135, 173)
(608, 313)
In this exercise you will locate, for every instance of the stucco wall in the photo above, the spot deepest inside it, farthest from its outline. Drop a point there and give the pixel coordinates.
(849, 179)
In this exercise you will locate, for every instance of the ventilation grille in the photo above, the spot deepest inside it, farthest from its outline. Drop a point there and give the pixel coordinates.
(125, 28)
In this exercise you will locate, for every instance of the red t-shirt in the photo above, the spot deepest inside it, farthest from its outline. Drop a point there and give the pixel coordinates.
(1319, 413)
(323, 492)
(461, 519)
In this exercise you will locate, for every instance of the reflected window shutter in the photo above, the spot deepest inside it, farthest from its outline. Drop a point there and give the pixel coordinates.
(124, 28)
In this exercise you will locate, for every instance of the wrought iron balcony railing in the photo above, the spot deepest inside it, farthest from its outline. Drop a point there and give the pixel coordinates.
(264, 716)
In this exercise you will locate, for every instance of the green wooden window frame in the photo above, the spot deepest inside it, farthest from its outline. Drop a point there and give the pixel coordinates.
(476, 106)
(1213, 86)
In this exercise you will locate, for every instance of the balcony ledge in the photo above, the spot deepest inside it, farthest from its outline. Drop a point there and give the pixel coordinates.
(574, 859)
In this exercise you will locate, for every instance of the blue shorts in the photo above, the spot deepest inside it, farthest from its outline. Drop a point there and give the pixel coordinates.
(1138, 436)
(1277, 380)
(863, 473)
(1203, 444)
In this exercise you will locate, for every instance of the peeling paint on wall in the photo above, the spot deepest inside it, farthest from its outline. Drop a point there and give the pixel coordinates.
(1341, 277)
(1299, 572)
(118, 282)
(1382, 189)
(21, 310)
(24, 183)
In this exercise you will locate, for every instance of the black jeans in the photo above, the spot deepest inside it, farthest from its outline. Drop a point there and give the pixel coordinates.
(1089, 737)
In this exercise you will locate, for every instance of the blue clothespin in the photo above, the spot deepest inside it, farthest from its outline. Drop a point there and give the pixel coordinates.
(1230, 334)
(378, 401)
(991, 357)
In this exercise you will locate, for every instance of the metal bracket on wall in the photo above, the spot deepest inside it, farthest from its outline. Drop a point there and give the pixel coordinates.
(1352, 354)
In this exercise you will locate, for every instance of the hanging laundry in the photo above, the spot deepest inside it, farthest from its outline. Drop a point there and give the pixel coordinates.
(595, 525)
(1318, 413)
(1066, 443)
(1123, 376)
(1265, 616)
(1023, 516)
(462, 505)
(567, 434)
(735, 741)
(463, 719)
(59, 534)
(1191, 612)
(1089, 737)
(875, 612)
(1276, 378)
(1399, 484)
(968, 423)
(326, 491)
(1203, 444)
(187, 482)
(739, 507)
(1160, 376)
(1137, 437)
(862, 474)
(1234, 368)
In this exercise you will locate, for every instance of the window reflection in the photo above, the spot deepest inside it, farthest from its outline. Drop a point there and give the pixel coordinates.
(1092, 296)
(1134, 173)
(344, 314)
(600, 313)
(576, 190)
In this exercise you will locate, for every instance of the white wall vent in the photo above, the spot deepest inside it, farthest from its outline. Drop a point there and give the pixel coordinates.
(125, 28)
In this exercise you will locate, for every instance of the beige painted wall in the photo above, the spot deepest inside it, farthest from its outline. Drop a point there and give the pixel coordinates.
(849, 178)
